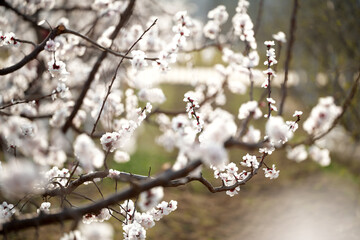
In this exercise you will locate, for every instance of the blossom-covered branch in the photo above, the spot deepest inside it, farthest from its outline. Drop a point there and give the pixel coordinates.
(123, 20)
(53, 33)
(116, 70)
(77, 213)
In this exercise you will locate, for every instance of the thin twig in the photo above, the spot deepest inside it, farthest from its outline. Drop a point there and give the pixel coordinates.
(347, 102)
(104, 48)
(114, 77)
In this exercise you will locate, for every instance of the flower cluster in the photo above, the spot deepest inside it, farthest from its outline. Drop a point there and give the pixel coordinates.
(6, 211)
(16, 181)
(137, 223)
(150, 198)
(321, 156)
(293, 125)
(113, 140)
(8, 39)
(87, 153)
(271, 173)
(278, 131)
(94, 230)
(103, 215)
(219, 16)
(44, 207)
(153, 95)
(249, 108)
(322, 116)
(57, 69)
(298, 153)
(138, 61)
(272, 102)
(250, 161)
(55, 175)
(121, 157)
(252, 135)
(181, 29)
(271, 60)
(243, 24)
(230, 177)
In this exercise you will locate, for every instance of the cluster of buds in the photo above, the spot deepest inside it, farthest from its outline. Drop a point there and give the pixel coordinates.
(271, 60)
(191, 107)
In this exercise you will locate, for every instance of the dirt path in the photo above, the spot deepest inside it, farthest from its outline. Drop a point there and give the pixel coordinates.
(322, 206)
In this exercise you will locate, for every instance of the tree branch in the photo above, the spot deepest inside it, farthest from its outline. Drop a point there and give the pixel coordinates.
(104, 48)
(76, 214)
(347, 102)
(288, 55)
(55, 32)
(24, 16)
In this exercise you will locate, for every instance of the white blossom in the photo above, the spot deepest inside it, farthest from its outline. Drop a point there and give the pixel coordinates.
(6, 211)
(162, 209)
(20, 177)
(219, 14)
(248, 108)
(134, 231)
(278, 131)
(73, 235)
(58, 176)
(322, 116)
(138, 62)
(146, 220)
(271, 173)
(121, 157)
(8, 39)
(113, 173)
(252, 135)
(96, 230)
(297, 113)
(211, 29)
(280, 37)
(153, 95)
(103, 215)
(214, 154)
(87, 153)
(269, 43)
(298, 153)
(250, 161)
(51, 45)
(57, 69)
(150, 198)
(321, 156)
(44, 207)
